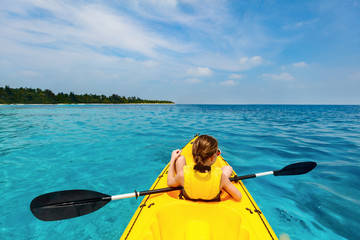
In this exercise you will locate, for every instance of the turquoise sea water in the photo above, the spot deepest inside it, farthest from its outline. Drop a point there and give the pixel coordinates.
(116, 149)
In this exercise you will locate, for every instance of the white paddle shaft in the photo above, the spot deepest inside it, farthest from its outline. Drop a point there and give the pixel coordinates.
(126, 195)
(264, 173)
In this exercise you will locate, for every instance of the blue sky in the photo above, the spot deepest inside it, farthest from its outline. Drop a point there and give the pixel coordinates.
(225, 52)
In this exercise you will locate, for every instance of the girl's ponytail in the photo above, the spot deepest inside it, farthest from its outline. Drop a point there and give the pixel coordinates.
(197, 159)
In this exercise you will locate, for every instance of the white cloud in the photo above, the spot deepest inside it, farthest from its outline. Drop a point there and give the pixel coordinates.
(115, 29)
(192, 80)
(246, 63)
(89, 25)
(295, 65)
(228, 62)
(236, 76)
(228, 83)
(199, 72)
(256, 60)
(208, 39)
(279, 77)
(240, 64)
(189, 13)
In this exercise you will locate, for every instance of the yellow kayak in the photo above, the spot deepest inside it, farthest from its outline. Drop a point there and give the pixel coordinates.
(164, 216)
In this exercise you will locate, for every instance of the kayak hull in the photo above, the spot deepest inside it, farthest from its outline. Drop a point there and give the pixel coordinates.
(164, 216)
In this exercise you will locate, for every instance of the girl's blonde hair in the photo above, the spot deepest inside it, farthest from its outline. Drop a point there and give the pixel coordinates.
(204, 147)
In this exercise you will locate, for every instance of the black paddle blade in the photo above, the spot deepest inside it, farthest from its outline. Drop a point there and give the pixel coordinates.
(296, 169)
(67, 204)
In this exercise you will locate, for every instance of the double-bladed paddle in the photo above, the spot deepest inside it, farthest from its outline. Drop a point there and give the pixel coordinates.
(74, 203)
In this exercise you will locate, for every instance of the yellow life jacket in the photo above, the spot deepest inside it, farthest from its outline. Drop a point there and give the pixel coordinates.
(202, 185)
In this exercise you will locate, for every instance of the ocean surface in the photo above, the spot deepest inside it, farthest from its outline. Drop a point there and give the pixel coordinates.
(116, 149)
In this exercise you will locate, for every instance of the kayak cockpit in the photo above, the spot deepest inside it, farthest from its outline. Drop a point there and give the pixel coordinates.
(189, 220)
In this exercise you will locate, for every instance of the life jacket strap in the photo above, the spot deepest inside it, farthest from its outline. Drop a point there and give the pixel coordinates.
(202, 168)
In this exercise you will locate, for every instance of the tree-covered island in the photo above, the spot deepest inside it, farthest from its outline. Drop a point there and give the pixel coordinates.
(37, 96)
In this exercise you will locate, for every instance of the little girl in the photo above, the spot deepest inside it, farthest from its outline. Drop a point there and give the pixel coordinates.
(201, 181)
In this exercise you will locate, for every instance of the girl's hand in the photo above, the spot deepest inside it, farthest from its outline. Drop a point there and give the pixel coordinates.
(175, 155)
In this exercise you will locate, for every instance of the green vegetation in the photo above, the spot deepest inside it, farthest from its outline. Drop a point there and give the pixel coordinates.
(37, 96)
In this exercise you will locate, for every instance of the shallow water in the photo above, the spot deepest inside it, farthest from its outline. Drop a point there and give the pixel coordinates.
(115, 149)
